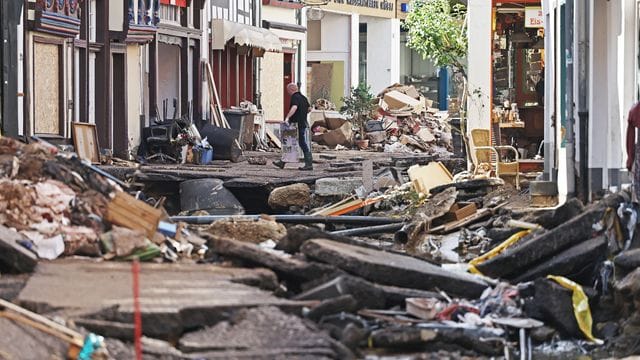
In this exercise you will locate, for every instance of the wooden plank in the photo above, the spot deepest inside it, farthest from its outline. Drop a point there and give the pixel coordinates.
(466, 211)
(39, 319)
(85, 140)
(273, 138)
(469, 220)
(125, 210)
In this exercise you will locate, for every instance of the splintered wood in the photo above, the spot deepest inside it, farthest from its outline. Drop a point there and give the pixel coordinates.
(125, 210)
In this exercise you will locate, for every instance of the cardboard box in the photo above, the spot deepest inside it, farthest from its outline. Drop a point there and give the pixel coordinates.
(341, 136)
(425, 178)
(334, 120)
(396, 100)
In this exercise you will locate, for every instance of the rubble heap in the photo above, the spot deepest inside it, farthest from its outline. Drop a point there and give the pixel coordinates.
(54, 204)
(404, 122)
(443, 267)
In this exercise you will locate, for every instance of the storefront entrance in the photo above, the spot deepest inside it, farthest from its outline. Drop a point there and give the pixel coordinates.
(517, 116)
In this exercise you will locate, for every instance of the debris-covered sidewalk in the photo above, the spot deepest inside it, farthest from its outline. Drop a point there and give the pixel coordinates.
(420, 263)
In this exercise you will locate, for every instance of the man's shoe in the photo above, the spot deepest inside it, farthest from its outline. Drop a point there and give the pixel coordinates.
(307, 167)
(278, 163)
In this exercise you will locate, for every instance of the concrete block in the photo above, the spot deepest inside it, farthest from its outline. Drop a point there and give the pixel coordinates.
(337, 186)
(393, 269)
(549, 188)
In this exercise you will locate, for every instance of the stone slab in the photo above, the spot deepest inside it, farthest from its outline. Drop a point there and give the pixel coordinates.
(282, 263)
(173, 297)
(569, 262)
(263, 328)
(519, 258)
(393, 269)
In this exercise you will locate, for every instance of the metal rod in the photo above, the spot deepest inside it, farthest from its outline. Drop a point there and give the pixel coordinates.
(293, 219)
(379, 229)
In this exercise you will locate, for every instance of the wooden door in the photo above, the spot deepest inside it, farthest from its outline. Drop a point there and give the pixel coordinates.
(119, 106)
(288, 78)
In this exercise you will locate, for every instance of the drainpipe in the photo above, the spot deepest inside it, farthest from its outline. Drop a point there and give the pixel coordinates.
(569, 108)
(256, 18)
(87, 37)
(299, 52)
(582, 13)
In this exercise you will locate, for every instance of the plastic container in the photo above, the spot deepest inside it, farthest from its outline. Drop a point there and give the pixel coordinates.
(206, 156)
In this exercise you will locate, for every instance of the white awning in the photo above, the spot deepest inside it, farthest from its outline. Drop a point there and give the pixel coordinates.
(242, 34)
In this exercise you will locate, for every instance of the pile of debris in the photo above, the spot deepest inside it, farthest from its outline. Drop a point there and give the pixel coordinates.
(53, 204)
(444, 267)
(404, 122)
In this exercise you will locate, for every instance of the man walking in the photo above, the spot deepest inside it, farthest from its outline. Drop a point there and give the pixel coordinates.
(298, 115)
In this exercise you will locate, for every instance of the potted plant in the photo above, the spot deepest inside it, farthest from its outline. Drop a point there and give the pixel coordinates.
(359, 104)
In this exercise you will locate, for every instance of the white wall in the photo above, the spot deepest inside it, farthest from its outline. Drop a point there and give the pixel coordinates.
(354, 54)
(302, 76)
(479, 69)
(116, 14)
(383, 52)
(335, 41)
(134, 95)
(272, 86)
(279, 14)
(168, 77)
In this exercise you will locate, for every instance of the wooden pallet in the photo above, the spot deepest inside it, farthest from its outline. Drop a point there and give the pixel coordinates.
(125, 210)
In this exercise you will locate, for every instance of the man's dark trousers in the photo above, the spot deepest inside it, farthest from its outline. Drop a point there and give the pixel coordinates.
(303, 141)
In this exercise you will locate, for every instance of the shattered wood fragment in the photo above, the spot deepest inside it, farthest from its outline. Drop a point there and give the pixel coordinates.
(125, 210)
(392, 269)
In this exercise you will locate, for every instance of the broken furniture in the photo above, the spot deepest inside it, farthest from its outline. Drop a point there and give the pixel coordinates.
(485, 153)
(159, 141)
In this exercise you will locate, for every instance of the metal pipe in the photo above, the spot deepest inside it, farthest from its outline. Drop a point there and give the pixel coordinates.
(87, 38)
(569, 104)
(369, 230)
(582, 14)
(292, 219)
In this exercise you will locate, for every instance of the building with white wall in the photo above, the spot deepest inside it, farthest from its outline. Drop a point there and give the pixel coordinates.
(277, 69)
(349, 44)
(591, 90)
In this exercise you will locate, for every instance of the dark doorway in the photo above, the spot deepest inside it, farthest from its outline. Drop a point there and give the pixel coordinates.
(119, 106)
(287, 79)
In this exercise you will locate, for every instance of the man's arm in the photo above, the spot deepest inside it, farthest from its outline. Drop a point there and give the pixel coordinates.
(291, 112)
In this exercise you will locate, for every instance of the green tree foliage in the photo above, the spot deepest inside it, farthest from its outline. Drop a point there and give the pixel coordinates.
(437, 31)
(359, 104)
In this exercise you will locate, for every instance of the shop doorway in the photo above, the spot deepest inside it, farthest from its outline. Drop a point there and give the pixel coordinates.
(119, 106)
(518, 80)
(288, 78)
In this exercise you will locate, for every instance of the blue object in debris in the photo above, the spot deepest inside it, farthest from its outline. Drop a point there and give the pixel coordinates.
(168, 229)
(206, 156)
(92, 342)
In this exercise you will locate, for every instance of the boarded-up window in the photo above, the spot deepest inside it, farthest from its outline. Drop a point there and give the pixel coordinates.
(46, 94)
(314, 38)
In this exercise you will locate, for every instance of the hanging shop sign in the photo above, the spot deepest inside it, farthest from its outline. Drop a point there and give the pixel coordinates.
(533, 17)
(377, 8)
